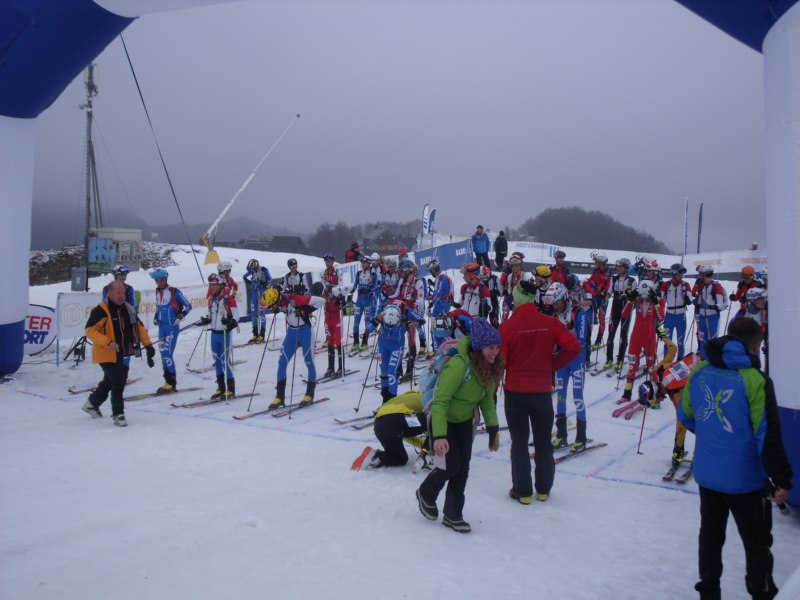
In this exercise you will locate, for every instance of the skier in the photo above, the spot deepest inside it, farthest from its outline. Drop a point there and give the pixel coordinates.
(500, 250)
(224, 269)
(622, 284)
(223, 317)
(120, 273)
(366, 285)
(298, 309)
(508, 279)
(294, 282)
(171, 307)
(746, 283)
(677, 297)
(402, 253)
(116, 334)
(474, 295)
(709, 300)
(439, 304)
(395, 318)
(353, 253)
(480, 246)
(398, 418)
(578, 322)
(489, 280)
(333, 318)
(646, 331)
(411, 294)
(597, 285)
(559, 270)
(756, 308)
(257, 279)
(541, 280)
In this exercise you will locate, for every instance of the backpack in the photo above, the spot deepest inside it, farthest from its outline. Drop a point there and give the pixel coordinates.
(429, 378)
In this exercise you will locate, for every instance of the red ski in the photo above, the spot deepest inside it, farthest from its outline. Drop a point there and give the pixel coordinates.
(362, 458)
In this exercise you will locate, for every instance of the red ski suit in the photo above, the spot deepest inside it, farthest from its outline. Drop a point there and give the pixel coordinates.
(644, 337)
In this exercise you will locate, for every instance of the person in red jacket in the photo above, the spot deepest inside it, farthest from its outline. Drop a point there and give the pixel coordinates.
(535, 346)
(647, 329)
(747, 282)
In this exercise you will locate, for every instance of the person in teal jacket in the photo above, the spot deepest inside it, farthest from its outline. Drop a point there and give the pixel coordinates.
(740, 462)
(468, 379)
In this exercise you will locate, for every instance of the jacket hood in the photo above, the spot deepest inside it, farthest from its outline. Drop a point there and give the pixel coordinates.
(730, 352)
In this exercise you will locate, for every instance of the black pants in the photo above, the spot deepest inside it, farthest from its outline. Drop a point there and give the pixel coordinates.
(390, 431)
(499, 258)
(753, 516)
(624, 325)
(483, 258)
(526, 412)
(115, 375)
(459, 435)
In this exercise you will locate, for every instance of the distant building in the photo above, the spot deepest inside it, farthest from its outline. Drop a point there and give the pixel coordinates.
(271, 243)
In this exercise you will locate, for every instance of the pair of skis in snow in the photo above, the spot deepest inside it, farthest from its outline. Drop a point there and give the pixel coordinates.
(630, 408)
(281, 411)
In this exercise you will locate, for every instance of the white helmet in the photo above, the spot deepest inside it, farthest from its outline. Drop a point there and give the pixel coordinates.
(705, 269)
(754, 294)
(599, 257)
(557, 291)
(646, 287)
(375, 257)
(391, 315)
(223, 266)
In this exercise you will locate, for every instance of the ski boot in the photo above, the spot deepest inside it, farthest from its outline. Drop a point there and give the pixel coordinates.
(220, 393)
(231, 391)
(678, 454)
(280, 396)
(580, 438)
(521, 499)
(309, 397)
(608, 364)
(364, 342)
(254, 339)
(329, 374)
(542, 497)
(618, 366)
(560, 440)
(169, 387)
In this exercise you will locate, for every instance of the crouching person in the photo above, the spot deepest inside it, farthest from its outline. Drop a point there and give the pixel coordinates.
(398, 418)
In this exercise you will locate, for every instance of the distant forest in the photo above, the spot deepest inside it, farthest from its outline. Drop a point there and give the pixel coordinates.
(580, 228)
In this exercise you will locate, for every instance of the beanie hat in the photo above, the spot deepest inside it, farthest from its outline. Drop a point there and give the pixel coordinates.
(524, 293)
(483, 334)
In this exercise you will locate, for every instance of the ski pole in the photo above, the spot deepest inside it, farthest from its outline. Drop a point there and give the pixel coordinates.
(369, 368)
(641, 431)
(188, 362)
(727, 318)
(258, 372)
(294, 362)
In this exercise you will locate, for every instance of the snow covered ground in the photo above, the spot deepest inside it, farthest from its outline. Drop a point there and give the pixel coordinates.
(190, 503)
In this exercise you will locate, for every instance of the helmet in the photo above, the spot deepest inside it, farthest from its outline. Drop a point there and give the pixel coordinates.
(754, 294)
(391, 262)
(623, 262)
(646, 287)
(543, 271)
(403, 250)
(375, 257)
(317, 288)
(647, 392)
(677, 269)
(121, 270)
(215, 279)
(406, 265)
(764, 273)
(518, 255)
(364, 258)
(705, 269)
(599, 257)
(224, 266)
(515, 261)
(160, 274)
(291, 263)
(391, 315)
(434, 265)
(484, 273)
(559, 254)
(271, 297)
(572, 282)
(328, 256)
(652, 266)
(557, 291)
(252, 265)
(470, 267)
(748, 271)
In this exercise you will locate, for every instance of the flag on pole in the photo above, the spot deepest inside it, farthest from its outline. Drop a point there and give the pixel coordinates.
(686, 227)
(431, 219)
(426, 220)
(699, 227)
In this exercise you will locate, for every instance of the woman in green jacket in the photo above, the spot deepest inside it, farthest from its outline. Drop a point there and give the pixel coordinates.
(468, 379)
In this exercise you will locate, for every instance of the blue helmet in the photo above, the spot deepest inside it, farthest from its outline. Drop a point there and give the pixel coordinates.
(160, 274)
(121, 270)
(406, 265)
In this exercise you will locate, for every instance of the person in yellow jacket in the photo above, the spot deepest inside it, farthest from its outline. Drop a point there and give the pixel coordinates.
(469, 379)
(116, 333)
(398, 418)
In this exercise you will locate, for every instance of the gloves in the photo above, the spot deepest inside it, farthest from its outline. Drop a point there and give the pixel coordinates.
(155, 320)
(205, 321)
(494, 437)
(732, 297)
(571, 325)
(179, 317)
(231, 324)
(151, 352)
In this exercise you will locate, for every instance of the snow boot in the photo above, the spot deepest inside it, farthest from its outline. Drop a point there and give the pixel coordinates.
(90, 409)
(521, 499)
(309, 397)
(280, 395)
(428, 509)
(560, 440)
(231, 392)
(120, 421)
(459, 525)
(220, 387)
(580, 438)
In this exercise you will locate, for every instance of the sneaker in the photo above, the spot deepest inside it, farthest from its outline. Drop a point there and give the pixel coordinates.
(429, 511)
(608, 364)
(459, 525)
(119, 421)
(542, 497)
(90, 410)
(306, 401)
(521, 499)
(167, 388)
(277, 403)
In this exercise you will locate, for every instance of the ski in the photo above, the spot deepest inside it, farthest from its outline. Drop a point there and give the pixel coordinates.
(255, 414)
(482, 428)
(354, 420)
(211, 367)
(364, 425)
(366, 454)
(335, 377)
(560, 449)
(322, 349)
(72, 390)
(670, 474)
(614, 373)
(682, 479)
(296, 407)
(157, 395)
(623, 409)
(209, 401)
(633, 411)
(587, 449)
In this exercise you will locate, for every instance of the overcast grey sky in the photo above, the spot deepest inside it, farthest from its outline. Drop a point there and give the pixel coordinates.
(491, 111)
